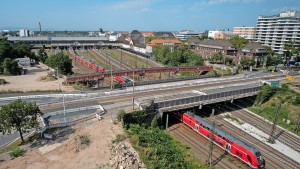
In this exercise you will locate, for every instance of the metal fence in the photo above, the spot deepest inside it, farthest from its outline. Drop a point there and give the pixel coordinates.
(169, 80)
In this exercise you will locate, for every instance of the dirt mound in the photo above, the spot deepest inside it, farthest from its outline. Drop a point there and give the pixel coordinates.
(47, 78)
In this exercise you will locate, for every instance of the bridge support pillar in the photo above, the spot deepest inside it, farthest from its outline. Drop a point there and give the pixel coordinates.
(167, 120)
(231, 100)
(200, 106)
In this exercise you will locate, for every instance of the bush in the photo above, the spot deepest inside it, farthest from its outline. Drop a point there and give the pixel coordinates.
(17, 152)
(3, 81)
(84, 139)
(119, 138)
(121, 115)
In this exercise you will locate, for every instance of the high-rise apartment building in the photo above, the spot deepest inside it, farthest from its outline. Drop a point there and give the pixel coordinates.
(24, 32)
(276, 30)
(245, 32)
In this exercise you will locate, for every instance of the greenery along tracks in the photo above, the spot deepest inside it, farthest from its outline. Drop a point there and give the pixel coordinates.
(127, 59)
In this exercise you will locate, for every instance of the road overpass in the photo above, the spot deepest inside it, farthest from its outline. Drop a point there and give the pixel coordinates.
(198, 98)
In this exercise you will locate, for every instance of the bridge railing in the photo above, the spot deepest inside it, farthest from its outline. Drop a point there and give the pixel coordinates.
(202, 98)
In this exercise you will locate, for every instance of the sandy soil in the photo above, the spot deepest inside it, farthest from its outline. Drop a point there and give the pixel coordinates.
(31, 81)
(70, 153)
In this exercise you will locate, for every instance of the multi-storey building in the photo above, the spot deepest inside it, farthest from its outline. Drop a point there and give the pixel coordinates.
(245, 32)
(276, 30)
(185, 34)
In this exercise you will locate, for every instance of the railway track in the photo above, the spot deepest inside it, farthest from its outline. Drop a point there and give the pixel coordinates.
(284, 137)
(274, 159)
(194, 140)
(112, 61)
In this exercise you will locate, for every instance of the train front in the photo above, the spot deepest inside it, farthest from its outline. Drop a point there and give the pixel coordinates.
(260, 160)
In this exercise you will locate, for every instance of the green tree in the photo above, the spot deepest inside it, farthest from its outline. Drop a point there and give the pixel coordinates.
(5, 49)
(274, 60)
(269, 50)
(228, 61)
(195, 60)
(9, 67)
(246, 62)
(217, 58)
(238, 42)
(62, 62)
(42, 57)
(21, 49)
(19, 115)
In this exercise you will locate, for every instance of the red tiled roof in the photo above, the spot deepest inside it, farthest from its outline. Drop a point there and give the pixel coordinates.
(147, 34)
(162, 41)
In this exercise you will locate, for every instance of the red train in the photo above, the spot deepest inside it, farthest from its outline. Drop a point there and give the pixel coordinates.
(87, 63)
(234, 146)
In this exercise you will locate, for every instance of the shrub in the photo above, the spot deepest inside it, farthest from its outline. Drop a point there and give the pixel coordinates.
(3, 81)
(119, 138)
(121, 115)
(84, 139)
(17, 152)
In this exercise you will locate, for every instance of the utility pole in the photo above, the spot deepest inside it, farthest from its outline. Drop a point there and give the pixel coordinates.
(211, 136)
(297, 128)
(121, 60)
(111, 77)
(62, 91)
(271, 137)
(133, 90)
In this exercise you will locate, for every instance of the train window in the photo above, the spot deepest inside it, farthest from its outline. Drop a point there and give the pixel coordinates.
(219, 136)
(249, 158)
(190, 121)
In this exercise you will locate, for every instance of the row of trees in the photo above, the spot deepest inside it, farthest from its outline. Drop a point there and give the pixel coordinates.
(180, 55)
(9, 52)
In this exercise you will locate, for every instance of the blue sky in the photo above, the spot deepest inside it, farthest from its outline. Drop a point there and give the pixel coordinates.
(145, 15)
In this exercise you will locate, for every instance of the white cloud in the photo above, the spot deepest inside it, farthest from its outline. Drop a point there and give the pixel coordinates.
(206, 3)
(285, 8)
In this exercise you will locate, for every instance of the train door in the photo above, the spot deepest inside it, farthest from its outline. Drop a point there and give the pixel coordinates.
(228, 147)
(196, 127)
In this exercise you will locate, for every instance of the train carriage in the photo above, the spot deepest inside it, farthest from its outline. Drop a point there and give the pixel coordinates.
(232, 145)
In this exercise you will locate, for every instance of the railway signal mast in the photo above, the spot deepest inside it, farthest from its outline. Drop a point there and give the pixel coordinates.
(211, 136)
(272, 137)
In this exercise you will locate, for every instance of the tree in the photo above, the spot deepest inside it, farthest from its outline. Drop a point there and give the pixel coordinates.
(269, 50)
(62, 62)
(274, 60)
(9, 67)
(21, 49)
(247, 62)
(195, 60)
(217, 57)
(238, 42)
(42, 57)
(20, 116)
(228, 61)
(5, 49)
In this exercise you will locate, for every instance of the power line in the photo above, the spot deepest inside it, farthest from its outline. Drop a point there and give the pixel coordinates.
(271, 137)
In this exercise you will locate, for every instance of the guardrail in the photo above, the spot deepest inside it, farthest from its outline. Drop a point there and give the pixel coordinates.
(73, 110)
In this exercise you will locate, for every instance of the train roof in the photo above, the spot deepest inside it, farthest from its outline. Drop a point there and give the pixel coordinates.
(220, 132)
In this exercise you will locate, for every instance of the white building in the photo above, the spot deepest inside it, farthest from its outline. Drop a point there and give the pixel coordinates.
(24, 32)
(114, 36)
(185, 34)
(276, 30)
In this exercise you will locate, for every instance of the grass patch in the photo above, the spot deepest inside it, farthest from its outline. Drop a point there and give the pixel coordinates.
(289, 110)
(17, 152)
(119, 138)
(228, 116)
(128, 59)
